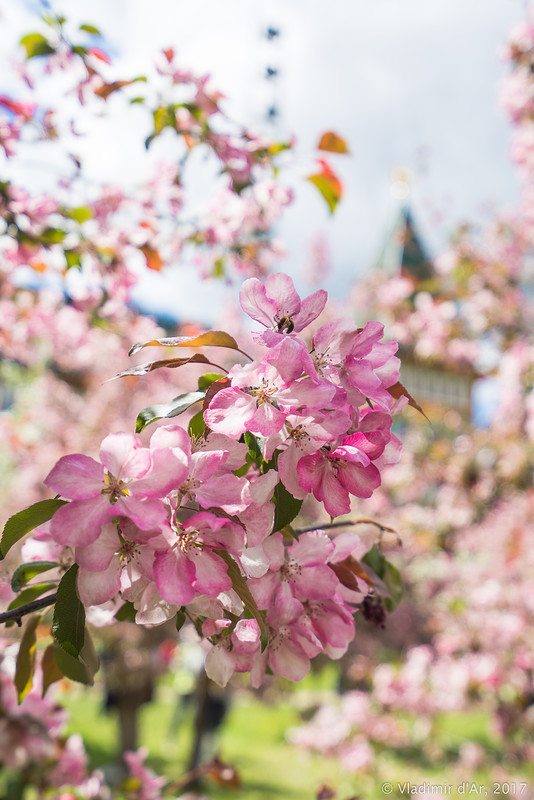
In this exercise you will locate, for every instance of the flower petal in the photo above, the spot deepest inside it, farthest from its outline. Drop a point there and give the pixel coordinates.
(79, 523)
(310, 308)
(230, 412)
(76, 477)
(174, 574)
(95, 588)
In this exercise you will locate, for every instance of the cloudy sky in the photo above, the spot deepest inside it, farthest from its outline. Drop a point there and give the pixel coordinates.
(408, 83)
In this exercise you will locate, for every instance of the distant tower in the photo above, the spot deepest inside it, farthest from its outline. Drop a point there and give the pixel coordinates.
(438, 387)
(403, 252)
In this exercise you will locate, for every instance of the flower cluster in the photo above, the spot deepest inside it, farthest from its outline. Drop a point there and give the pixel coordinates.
(195, 524)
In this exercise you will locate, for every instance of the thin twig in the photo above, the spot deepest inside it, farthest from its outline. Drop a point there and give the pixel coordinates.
(16, 614)
(347, 523)
(243, 353)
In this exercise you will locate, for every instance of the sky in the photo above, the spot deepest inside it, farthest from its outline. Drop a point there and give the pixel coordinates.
(410, 84)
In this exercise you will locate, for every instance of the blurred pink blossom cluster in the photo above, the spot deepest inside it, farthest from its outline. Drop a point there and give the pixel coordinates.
(106, 236)
(34, 746)
(517, 97)
(33, 741)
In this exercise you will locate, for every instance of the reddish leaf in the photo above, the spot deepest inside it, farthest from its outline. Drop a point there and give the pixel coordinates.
(22, 109)
(328, 184)
(150, 366)
(348, 570)
(332, 143)
(153, 258)
(38, 266)
(207, 339)
(98, 53)
(216, 386)
(223, 774)
(109, 88)
(398, 390)
(326, 793)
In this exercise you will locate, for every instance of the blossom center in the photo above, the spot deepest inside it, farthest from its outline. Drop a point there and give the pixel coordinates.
(188, 487)
(279, 637)
(128, 551)
(264, 392)
(299, 435)
(187, 540)
(290, 571)
(115, 487)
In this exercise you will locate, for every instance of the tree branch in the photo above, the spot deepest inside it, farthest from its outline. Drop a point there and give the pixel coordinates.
(16, 614)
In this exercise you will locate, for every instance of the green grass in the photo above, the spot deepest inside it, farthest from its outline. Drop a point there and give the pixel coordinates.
(253, 740)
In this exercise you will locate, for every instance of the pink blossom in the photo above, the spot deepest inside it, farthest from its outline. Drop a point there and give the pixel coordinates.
(150, 784)
(276, 305)
(263, 393)
(127, 482)
(190, 564)
(289, 650)
(230, 653)
(334, 475)
(209, 480)
(304, 575)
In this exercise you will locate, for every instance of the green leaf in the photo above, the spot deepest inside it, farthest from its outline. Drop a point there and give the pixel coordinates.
(26, 658)
(51, 671)
(90, 29)
(68, 626)
(264, 640)
(180, 619)
(74, 668)
(26, 572)
(393, 581)
(207, 339)
(36, 45)
(254, 449)
(126, 613)
(51, 236)
(88, 655)
(376, 560)
(26, 520)
(218, 267)
(166, 410)
(241, 589)
(164, 117)
(197, 426)
(389, 574)
(205, 381)
(79, 214)
(73, 258)
(287, 507)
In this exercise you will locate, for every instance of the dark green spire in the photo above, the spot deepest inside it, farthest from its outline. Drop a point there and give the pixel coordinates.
(403, 252)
